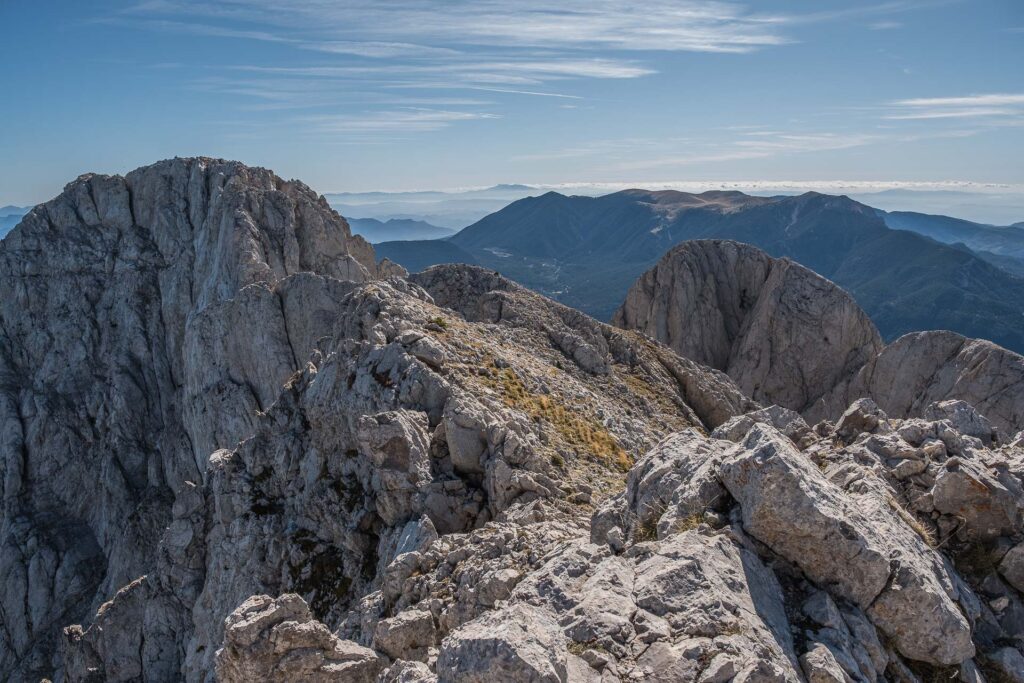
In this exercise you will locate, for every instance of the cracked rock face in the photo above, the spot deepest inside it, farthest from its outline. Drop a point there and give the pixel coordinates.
(143, 324)
(785, 334)
(269, 639)
(922, 368)
(850, 542)
(792, 338)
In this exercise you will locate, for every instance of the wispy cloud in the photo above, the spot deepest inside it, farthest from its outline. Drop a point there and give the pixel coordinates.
(635, 154)
(525, 92)
(675, 25)
(996, 99)
(771, 144)
(985, 106)
(527, 48)
(271, 93)
(861, 11)
(742, 143)
(378, 50)
(471, 71)
(196, 29)
(961, 113)
(404, 120)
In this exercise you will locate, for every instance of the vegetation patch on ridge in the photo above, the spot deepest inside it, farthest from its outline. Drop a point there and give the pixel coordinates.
(581, 433)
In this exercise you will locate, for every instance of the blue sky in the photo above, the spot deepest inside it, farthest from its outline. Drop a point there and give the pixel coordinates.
(372, 94)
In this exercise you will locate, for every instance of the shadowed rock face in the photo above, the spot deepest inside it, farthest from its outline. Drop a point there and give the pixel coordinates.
(785, 334)
(792, 338)
(142, 324)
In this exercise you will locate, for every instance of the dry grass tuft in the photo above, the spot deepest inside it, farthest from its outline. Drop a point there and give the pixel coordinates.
(580, 433)
(914, 523)
(646, 531)
(689, 522)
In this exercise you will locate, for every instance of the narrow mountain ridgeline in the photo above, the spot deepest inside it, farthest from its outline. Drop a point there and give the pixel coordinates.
(151, 321)
(409, 424)
(790, 337)
(1001, 246)
(587, 251)
(234, 448)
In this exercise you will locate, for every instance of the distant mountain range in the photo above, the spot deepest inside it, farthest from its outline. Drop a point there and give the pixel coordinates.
(991, 207)
(11, 216)
(587, 251)
(459, 208)
(1001, 246)
(397, 229)
(455, 209)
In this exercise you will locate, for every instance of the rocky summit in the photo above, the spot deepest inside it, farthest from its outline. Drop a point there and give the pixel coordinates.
(235, 447)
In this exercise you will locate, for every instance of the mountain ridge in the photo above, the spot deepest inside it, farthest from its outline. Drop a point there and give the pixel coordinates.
(565, 245)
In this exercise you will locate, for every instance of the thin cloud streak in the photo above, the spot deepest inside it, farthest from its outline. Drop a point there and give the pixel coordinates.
(524, 92)
(757, 144)
(408, 120)
(632, 154)
(996, 99)
(378, 50)
(984, 106)
(534, 70)
(970, 112)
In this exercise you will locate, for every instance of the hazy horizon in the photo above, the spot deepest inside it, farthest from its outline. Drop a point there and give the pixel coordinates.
(987, 203)
(422, 94)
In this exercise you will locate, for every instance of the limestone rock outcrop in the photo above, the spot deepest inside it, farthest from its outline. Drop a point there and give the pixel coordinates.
(849, 541)
(922, 368)
(143, 323)
(792, 338)
(268, 640)
(785, 334)
(752, 557)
